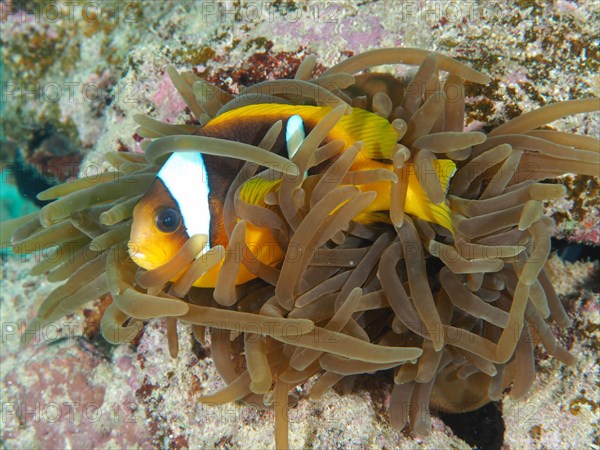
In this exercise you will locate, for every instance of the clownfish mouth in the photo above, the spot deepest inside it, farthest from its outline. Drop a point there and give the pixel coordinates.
(143, 257)
(134, 252)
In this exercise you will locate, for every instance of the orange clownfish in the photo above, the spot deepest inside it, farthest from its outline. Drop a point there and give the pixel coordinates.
(187, 196)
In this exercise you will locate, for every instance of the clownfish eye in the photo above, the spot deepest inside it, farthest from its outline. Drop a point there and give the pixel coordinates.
(167, 220)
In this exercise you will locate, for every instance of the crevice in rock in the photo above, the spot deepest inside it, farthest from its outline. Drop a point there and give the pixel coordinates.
(482, 428)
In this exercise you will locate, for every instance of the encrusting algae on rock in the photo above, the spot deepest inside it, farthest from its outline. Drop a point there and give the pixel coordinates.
(456, 311)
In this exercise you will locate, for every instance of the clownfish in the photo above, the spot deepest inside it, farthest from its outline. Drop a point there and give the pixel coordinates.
(186, 198)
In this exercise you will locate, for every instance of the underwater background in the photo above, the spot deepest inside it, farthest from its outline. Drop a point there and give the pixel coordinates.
(73, 76)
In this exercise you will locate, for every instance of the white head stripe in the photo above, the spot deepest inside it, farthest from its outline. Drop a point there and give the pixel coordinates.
(184, 175)
(294, 134)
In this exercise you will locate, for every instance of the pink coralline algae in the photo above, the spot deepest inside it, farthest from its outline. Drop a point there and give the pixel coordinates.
(166, 99)
(59, 399)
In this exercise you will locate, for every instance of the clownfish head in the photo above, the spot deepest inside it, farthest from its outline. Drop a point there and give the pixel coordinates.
(183, 199)
(175, 207)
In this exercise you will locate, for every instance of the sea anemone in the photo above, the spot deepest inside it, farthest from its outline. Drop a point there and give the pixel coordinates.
(455, 315)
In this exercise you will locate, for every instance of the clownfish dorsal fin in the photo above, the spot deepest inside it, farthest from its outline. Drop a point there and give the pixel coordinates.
(294, 134)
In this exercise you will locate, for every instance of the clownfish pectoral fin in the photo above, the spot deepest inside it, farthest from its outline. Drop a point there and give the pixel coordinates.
(254, 190)
(367, 218)
(418, 203)
(294, 134)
